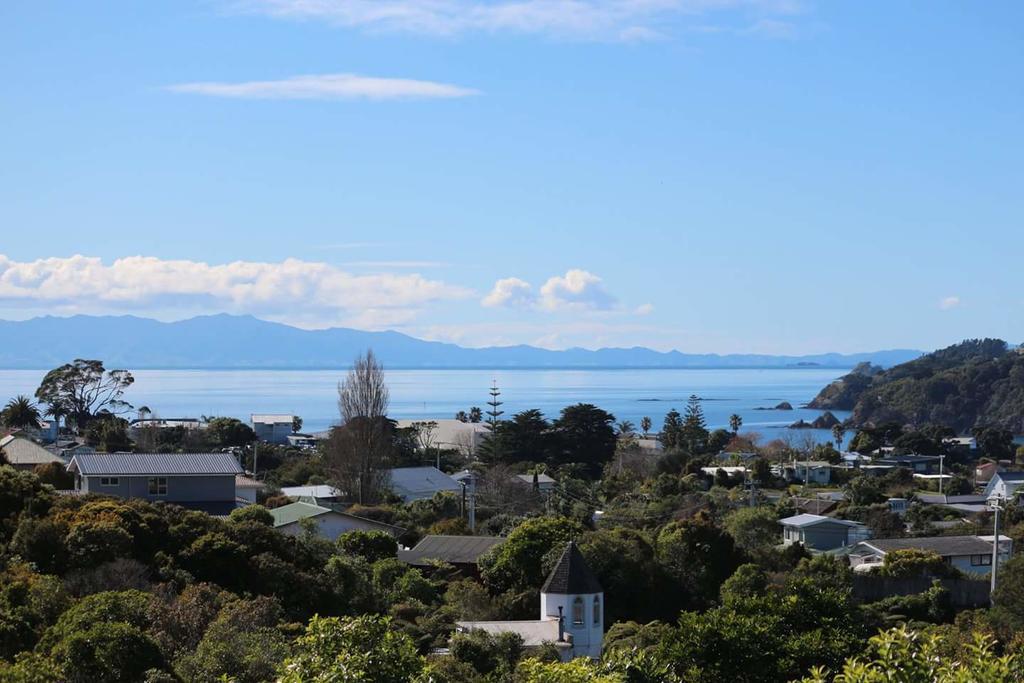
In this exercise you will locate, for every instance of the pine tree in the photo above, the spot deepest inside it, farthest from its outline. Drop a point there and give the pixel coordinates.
(671, 430)
(494, 413)
(695, 430)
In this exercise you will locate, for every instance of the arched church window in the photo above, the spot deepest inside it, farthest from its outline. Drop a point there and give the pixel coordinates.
(597, 610)
(577, 611)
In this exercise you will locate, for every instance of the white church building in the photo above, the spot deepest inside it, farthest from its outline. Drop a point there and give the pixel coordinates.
(571, 611)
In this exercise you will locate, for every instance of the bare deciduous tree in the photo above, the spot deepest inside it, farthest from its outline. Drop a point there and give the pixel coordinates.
(359, 451)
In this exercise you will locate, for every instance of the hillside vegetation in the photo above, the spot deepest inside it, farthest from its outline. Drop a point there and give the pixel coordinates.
(976, 383)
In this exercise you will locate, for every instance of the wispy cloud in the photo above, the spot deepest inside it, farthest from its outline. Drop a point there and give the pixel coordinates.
(345, 246)
(327, 87)
(396, 264)
(949, 302)
(587, 19)
(773, 29)
(306, 293)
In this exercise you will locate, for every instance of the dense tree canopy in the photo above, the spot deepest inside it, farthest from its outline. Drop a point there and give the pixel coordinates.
(84, 388)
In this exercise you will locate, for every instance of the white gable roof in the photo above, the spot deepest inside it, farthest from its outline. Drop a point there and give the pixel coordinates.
(806, 520)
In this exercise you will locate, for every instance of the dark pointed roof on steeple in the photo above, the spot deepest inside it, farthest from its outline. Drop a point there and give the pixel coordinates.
(571, 576)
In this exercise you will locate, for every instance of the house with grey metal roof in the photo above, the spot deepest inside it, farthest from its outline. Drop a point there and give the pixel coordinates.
(419, 483)
(200, 480)
(25, 454)
(317, 494)
(328, 522)
(969, 554)
(816, 532)
(463, 552)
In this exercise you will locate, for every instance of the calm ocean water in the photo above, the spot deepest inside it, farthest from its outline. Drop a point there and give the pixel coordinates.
(628, 394)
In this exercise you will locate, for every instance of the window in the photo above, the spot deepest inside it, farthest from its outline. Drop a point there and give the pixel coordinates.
(109, 481)
(577, 611)
(597, 611)
(981, 560)
(158, 486)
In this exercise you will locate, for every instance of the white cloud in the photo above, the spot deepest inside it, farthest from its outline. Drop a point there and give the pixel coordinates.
(577, 289)
(949, 302)
(303, 292)
(327, 87)
(510, 292)
(644, 309)
(588, 19)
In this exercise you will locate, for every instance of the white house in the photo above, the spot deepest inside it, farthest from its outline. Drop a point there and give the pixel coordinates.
(317, 494)
(969, 554)
(271, 428)
(1004, 485)
(571, 611)
(247, 488)
(806, 471)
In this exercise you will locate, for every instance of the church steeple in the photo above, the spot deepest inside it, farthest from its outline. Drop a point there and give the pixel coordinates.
(571, 575)
(573, 595)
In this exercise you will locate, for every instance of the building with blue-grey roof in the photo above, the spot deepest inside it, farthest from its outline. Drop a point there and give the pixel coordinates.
(201, 480)
(418, 483)
(819, 533)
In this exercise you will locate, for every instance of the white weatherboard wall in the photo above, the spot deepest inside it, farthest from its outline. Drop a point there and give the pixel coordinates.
(587, 638)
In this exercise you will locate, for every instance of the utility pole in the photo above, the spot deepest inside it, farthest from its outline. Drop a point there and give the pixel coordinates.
(941, 458)
(255, 457)
(996, 506)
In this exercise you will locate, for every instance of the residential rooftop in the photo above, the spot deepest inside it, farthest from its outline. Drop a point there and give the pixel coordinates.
(162, 464)
(806, 520)
(945, 546)
(450, 549)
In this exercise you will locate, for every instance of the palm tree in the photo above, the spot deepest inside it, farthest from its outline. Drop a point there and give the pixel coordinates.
(20, 412)
(55, 411)
(735, 422)
(838, 432)
(645, 425)
(625, 428)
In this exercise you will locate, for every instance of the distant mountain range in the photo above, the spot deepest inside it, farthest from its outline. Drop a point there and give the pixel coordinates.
(244, 342)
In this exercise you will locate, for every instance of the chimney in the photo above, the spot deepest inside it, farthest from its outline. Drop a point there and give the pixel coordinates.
(561, 625)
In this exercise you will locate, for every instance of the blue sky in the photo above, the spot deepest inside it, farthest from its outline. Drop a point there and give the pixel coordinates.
(778, 176)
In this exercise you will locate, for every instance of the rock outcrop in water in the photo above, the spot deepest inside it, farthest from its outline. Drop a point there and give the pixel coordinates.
(824, 421)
